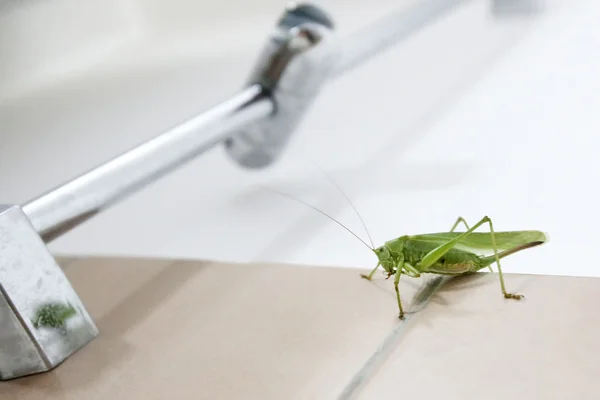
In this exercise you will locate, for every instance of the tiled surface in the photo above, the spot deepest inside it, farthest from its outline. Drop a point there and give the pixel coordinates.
(182, 329)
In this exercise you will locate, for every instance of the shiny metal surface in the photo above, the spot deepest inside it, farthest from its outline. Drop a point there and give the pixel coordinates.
(64, 207)
(292, 68)
(378, 36)
(511, 8)
(29, 280)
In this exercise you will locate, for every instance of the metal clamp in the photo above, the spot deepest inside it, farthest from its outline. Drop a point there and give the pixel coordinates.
(293, 76)
(42, 319)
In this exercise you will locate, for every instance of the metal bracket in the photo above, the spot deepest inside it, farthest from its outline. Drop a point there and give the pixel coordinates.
(292, 76)
(42, 319)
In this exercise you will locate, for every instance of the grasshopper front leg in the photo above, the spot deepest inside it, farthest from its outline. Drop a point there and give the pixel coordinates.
(435, 254)
(397, 275)
(409, 270)
(370, 276)
(396, 282)
(399, 271)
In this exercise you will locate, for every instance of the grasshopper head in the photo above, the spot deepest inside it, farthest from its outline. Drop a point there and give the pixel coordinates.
(385, 258)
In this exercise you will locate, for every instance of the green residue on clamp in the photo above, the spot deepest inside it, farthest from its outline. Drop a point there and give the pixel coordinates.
(53, 315)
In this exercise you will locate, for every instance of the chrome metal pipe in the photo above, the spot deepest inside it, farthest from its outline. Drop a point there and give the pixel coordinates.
(254, 126)
(283, 86)
(64, 207)
(376, 37)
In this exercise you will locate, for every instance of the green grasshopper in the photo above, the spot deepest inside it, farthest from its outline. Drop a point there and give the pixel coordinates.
(452, 253)
(445, 253)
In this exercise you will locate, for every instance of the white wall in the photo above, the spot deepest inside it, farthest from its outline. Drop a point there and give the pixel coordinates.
(472, 116)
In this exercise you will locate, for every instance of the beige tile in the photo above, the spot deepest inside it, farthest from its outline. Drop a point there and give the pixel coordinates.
(196, 330)
(471, 343)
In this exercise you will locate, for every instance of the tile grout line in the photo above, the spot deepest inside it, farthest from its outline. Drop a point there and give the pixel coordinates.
(385, 348)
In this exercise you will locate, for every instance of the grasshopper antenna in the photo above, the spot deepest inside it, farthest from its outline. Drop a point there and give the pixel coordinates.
(348, 200)
(320, 212)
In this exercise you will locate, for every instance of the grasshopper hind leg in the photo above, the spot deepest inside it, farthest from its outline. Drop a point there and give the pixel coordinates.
(506, 294)
(458, 221)
(435, 254)
(396, 282)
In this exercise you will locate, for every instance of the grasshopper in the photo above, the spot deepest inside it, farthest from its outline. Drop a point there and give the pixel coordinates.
(452, 253)
(444, 253)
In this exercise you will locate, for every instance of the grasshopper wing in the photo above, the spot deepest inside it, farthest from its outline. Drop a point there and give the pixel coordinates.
(481, 242)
